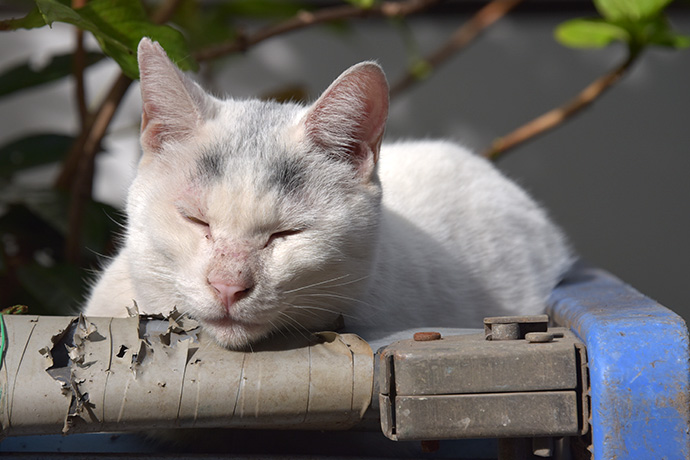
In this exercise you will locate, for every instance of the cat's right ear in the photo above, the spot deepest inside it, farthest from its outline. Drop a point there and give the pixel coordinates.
(349, 118)
(173, 106)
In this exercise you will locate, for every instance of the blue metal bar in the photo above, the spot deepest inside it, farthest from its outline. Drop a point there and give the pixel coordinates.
(638, 366)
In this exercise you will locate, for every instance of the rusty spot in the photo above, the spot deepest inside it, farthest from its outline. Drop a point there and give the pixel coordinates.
(426, 336)
(431, 446)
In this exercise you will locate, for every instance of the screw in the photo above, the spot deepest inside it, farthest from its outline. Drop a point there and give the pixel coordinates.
(426, 336)
(539, 337)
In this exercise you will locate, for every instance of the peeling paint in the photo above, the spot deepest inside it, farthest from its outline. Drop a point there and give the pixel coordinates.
(67, 352)
(155, 371)
(638, 366)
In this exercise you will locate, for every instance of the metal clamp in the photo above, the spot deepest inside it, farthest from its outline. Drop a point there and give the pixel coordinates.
(470, 387)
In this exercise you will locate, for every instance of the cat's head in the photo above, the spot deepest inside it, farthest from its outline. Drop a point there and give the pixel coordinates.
(255, 216)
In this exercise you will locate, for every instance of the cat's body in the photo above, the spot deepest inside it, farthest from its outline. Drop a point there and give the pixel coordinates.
(254, 216)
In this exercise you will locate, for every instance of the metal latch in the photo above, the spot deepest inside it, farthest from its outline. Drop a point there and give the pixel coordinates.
(518, 379)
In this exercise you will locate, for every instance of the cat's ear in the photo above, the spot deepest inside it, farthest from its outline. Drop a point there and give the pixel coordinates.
(173, 104)
(349, 118)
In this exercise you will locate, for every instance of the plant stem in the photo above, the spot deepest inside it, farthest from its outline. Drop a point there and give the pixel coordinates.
(78, 66)
(78, 169)
(86, 148)
(79, 63)
(462, 37)
(305, 19)
(555, 117)
(165, 11)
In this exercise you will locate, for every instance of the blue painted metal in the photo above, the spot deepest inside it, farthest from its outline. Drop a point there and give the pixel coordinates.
(639, 366)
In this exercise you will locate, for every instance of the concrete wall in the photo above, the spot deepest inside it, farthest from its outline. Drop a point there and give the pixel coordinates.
(615, 177)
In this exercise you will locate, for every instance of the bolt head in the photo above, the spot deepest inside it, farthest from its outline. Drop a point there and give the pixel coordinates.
(426, 336)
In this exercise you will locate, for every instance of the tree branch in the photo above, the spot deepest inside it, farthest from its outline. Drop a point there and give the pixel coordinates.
(462, 37)
(555, 117)
(78, 169)
(165, 11)
(86, 148)
(78, 66)
(306, 19)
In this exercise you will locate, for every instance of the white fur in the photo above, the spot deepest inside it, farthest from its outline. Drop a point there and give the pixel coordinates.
(451, 241)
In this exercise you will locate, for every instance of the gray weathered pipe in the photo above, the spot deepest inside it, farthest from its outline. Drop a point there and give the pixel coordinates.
(77, 374)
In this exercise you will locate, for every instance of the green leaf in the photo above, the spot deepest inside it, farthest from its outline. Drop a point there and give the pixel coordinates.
(672, 40)
(659, 32)
(51, 207)
(206, 25)
(42, 216)
(421, 69)
(590, 33)
(34, 150)
(263, 8)
(364, 4)
(24, 76)
(119, 25)
(31, 21)
(630, 10)
(59, 288)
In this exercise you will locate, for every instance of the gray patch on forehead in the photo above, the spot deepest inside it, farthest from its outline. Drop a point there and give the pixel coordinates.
(288, 175)
(210, 165)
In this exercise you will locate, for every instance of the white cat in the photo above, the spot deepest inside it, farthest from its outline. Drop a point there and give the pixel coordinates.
(255, 216)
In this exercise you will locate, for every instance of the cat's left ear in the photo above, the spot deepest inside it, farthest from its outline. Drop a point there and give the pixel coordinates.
(349, 118)
(173, 105)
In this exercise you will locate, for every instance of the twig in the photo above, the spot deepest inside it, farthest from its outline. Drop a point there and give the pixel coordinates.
(555, 117)
(77, 172)
(462, 37)
(78, 66)
(87, 147)
(165, 11)
(306, 19)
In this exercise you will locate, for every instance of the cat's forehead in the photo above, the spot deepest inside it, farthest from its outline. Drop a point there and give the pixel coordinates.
(268, 164)
(246, 134)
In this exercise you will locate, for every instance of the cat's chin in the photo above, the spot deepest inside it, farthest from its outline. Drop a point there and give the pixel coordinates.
(233, 334)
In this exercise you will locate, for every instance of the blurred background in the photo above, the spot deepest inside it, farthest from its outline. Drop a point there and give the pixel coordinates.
(614, 176)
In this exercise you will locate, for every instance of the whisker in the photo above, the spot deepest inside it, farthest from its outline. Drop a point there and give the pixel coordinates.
(347, 282)
(294, 323)
(336, 296)
(313, 309)
(301, 288)
(278, 327)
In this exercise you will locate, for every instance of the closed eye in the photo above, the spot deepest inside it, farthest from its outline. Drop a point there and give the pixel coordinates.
(195, 220)
(282, 235)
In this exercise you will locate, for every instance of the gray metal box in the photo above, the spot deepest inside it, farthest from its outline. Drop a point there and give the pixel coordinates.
(470, 387)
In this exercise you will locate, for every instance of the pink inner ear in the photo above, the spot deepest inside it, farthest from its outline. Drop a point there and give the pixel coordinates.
(170, 111)
(349, 118)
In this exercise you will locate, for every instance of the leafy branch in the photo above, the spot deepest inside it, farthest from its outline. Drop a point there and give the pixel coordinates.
(67, 211)
(303, 19)
(421, 68)
(636, 23)
(54, 225)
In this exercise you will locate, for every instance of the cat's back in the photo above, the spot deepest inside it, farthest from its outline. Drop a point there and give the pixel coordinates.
(441, 185)
(470, 235)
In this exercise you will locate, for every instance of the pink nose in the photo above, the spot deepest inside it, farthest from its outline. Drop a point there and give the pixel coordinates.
(229, 293)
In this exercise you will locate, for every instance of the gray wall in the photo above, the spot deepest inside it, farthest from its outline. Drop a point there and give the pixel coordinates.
(613, 177)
